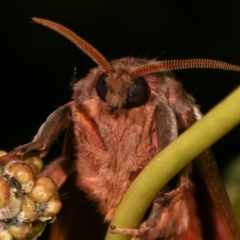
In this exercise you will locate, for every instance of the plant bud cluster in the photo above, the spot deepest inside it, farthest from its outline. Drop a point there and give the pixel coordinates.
(27, 199)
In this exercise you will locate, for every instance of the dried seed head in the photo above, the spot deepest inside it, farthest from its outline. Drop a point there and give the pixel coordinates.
(24, 198)
(43, 189)
(19, 232)
(5, 191)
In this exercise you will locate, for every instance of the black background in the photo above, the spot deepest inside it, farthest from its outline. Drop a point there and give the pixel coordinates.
(37, 64)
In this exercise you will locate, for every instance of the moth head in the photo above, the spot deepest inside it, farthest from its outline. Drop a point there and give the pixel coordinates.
(122, 91)
(129, 89)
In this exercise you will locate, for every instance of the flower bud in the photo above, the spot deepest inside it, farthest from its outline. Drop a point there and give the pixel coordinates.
(23, 173)
(11, 209)
(2, 153)
(36, 230)
(28, 210)
(43, 189)
(5, 235)
(34, 168)
(5, 191)
(52, 208)
(37, 161)
(19, 232)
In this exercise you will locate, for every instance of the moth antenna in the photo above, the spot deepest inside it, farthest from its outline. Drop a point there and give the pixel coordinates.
(168, 65)
(96, 56)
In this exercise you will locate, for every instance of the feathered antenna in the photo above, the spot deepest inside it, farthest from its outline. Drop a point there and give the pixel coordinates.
(160, 66)
(168, 65)
(96, 56)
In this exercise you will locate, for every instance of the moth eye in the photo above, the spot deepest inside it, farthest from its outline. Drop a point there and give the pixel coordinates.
(102, 86)
(138, 93)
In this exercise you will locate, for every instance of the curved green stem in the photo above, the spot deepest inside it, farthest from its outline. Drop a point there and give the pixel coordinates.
(220, 120)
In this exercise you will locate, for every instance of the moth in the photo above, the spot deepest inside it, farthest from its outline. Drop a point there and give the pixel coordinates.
(122, 114)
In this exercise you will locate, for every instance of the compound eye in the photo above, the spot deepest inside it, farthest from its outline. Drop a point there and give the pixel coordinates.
(102, 87)
(138, 93)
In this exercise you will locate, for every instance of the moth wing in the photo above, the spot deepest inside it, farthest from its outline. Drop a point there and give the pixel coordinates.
(213, 205)
(217, 217)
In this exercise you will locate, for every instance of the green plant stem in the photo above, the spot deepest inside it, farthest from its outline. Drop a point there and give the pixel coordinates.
(220, 120)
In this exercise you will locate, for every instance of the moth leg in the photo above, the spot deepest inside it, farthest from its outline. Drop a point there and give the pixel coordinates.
(47, 134)
(151, 222)
(154, 216)
(59, 170)
(128, 231)
(149, 229)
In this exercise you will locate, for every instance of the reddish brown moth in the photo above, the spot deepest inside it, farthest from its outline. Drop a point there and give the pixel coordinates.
(122, 114)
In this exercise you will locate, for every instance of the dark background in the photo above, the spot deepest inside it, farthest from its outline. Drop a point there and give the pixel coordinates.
(37, 64)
